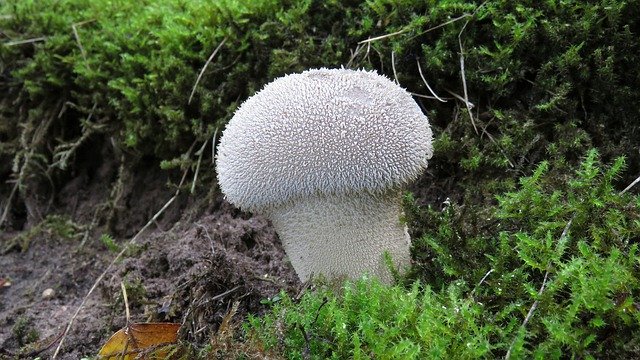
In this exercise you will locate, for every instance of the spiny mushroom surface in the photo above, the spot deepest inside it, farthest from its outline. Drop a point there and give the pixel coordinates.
(325, 155)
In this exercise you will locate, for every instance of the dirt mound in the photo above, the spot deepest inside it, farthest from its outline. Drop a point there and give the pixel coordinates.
(189, 268)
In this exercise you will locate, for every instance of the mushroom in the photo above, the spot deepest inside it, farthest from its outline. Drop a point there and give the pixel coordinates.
(325, 155)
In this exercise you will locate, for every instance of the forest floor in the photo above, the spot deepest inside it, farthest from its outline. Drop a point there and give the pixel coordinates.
(188, 267)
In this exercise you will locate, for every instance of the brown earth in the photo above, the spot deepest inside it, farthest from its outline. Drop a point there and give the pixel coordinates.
(199, 257)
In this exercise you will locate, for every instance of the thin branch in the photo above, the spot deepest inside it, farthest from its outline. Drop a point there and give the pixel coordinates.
(9, 200)
(457, 96)
(636, 181)
(426, 96)
(537, 301)
(393, 66)
(206, 232)
(219, 296)
(126, 302)
(77, 36)
(463, 16)
(464, 78)
(369, 40)
(529, 314)
(484, 131)
(24, 158)
(195, 175)
(213, 54)
(354, 54)
(480, 282)
(426, 83)
(26, 41)
(213, 146)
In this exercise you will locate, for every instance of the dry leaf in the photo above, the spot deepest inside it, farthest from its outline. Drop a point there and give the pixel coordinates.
(140, 341)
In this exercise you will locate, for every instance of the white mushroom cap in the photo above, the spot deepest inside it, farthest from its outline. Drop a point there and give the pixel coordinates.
(324, 131)
(324, 154)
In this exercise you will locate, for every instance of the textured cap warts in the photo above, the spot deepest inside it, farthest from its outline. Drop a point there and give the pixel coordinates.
(325, 131)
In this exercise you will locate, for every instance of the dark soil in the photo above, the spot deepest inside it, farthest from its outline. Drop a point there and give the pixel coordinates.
(188, 267)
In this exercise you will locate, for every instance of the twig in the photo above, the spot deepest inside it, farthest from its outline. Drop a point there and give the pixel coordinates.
(537, 301)
(126, 302)
(206, 232)
(393, 66)
(426, 83)
(26, 41)
(213, 146)
(354, 54)
(484, 131)
(480, 282)
(9, 200)
(460, 98)
(325, 300)
(369, 40)
(33, 354)
(464, 77)
(213, 54)
(529, 314)
(306, 353)
(463, 16)
(636, 181)
(195, 175)
(219, 296)
(124, 249)
(77, 36)
(426, 96)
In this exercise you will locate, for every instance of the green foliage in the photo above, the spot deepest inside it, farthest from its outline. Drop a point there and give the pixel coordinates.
(369, 320)
(53, 226)
(109, 242)
(24, 332)
(551, 78)
(569, 245)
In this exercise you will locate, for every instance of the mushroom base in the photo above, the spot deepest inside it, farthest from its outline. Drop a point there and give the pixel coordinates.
(343, 236)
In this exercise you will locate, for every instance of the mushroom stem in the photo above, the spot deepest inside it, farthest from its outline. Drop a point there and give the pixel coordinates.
(343, 235)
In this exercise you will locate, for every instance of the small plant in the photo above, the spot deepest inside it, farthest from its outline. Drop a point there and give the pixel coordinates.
(54, 226)
(24, 332)
(109, 242)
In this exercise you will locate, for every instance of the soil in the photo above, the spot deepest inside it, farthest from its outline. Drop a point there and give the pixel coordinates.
(189, 266)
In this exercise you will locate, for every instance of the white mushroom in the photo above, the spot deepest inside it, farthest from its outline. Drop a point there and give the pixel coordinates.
(324, 155)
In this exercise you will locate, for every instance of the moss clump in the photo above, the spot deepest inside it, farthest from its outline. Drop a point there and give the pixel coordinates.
(556, 274)
(24, 332)
(547, 80)
(53, 226)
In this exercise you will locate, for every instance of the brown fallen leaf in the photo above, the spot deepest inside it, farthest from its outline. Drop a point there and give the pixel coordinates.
(141, 341)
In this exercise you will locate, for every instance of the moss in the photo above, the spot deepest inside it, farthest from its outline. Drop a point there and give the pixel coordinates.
(549, 81)
(24, 332)
(54, 226)
(570, 247)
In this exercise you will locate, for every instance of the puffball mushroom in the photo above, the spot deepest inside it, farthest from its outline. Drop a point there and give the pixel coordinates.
(325, 155)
